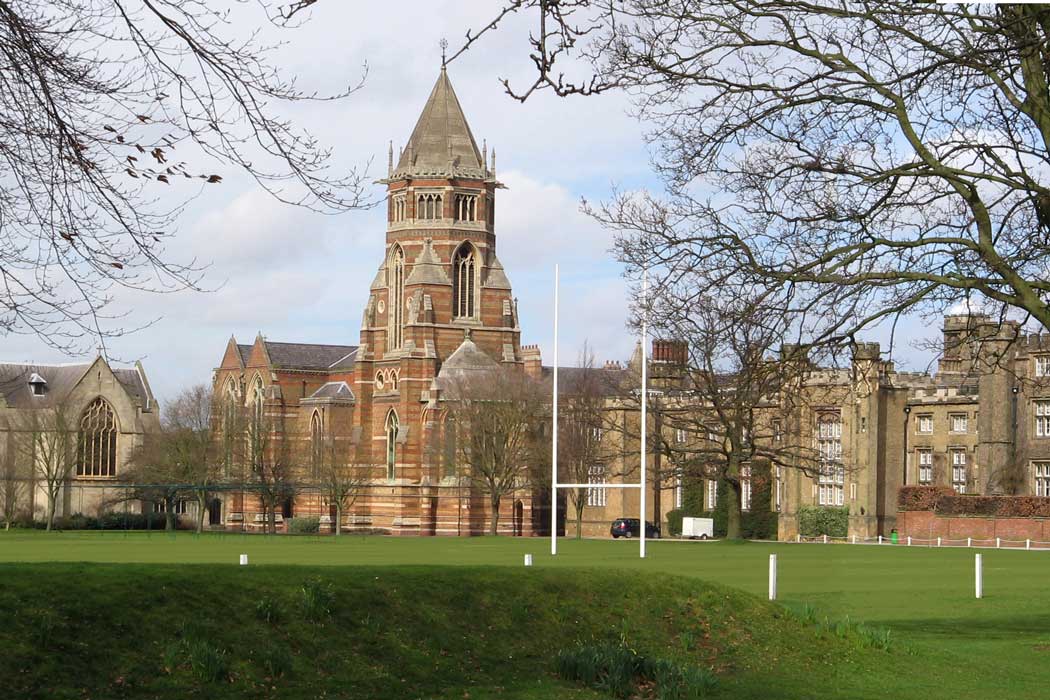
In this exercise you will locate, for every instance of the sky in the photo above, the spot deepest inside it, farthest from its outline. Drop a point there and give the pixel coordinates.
(297, 276)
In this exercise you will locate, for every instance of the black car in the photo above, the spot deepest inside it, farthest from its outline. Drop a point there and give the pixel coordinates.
(631, 527)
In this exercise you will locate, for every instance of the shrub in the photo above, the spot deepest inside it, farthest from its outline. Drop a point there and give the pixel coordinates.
(618, 670)
(674, 521)
(814, 521)
(317, 598)
(275, 661)
(205, 661)
(304, 526)
(920, 497)
(268, 610)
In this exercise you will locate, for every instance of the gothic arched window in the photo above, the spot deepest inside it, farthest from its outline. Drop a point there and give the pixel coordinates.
(97, 441)
(316, 444)
(466, 207)
(392, 425)
(464, 270)
(397, 297)
(257, 440)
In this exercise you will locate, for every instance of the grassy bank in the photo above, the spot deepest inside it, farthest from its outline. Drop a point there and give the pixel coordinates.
(943, 642)
(134, 631)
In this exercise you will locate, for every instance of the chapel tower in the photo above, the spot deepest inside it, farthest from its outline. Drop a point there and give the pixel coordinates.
(440, 292)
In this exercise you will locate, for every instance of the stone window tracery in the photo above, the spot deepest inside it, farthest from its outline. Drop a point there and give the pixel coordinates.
(97, 440)
(464, 268)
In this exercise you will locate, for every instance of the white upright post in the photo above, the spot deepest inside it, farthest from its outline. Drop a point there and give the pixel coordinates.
(854, 539)
(969, 541)
(998, 542)
(825, 539)
(938, 541)
(978, 576)
(554, 429)
(880, 539)
(645, 402)
(772, 576)
(1028, 544)
(244, 560)
(909, 540)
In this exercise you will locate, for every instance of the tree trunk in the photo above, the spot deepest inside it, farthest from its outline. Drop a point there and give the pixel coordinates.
(271, 516)
(51, 497)
(494, 520)
(338, 518)
(579, 515)
(202, 503)
(733, 510)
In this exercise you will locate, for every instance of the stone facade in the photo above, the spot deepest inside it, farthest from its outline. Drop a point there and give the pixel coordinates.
(115, 403)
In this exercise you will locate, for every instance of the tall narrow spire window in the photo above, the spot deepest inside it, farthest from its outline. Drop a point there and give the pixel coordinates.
(97, 441)
(464, 268)
(428, 206)
(397, 207)
(392, 425)
(397, 297)
(316, 444)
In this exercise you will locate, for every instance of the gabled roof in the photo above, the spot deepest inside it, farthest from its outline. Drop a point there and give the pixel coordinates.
(441, 143)
(311, 356)
(59, 380)
(427, 269)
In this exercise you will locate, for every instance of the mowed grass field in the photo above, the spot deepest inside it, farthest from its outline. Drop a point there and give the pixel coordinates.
(945, 643)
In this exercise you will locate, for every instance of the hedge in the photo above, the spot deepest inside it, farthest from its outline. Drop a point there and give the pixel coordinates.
(107, 521)
(944, 501)
(814, 521)
(304, 526)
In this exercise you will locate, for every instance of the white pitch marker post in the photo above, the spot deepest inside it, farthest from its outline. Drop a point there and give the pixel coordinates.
(244, 560)
(978, 576)
(555, 485)
(772, 576)
(528, 560)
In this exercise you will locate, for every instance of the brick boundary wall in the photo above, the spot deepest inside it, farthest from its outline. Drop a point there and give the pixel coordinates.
(929, 526)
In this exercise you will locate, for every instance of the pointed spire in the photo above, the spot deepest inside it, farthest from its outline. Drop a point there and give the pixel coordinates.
(485, 154)
(390, 159)
(493, 168)
(441, 136)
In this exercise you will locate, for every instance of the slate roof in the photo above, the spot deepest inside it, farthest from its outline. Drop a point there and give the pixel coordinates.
(467, 362)
(334, 390)
(245, 351)
(607, 382)
(310, 356)
(60, 380)
(441, 137)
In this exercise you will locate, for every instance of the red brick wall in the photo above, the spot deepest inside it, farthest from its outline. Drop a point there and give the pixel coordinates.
(926, 525)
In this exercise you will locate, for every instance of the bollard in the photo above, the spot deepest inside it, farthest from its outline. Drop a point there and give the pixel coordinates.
(978, 576)
(880, 539)
(772, 576)
(1028, 544)
(938, 541)
(968, 541)
(528, 560)
(909, 540)
(854, 539)
(998, 542)
(244, 560)
(825, 539)
(798, 537)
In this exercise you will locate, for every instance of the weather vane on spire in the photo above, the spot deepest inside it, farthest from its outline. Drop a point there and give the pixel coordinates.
(444, 45)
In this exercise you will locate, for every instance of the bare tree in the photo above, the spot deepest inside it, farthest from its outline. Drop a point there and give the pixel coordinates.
(335, 473)
(728, 400)
(497, 417)
(585, 419)
(14, 482)
(272, 470)
(47, 439)
(110, 112)
(185, 454)
(879, 158)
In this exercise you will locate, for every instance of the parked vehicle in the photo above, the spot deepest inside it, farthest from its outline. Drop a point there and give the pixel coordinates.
(632, 527)
(698, 528)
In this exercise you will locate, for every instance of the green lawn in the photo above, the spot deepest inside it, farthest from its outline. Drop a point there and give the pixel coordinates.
(946, 643)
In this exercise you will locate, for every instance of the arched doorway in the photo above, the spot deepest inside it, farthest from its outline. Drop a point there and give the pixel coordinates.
(215, 512)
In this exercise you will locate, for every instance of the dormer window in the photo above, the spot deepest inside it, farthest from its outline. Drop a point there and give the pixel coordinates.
(37, 384)
(466, 207)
